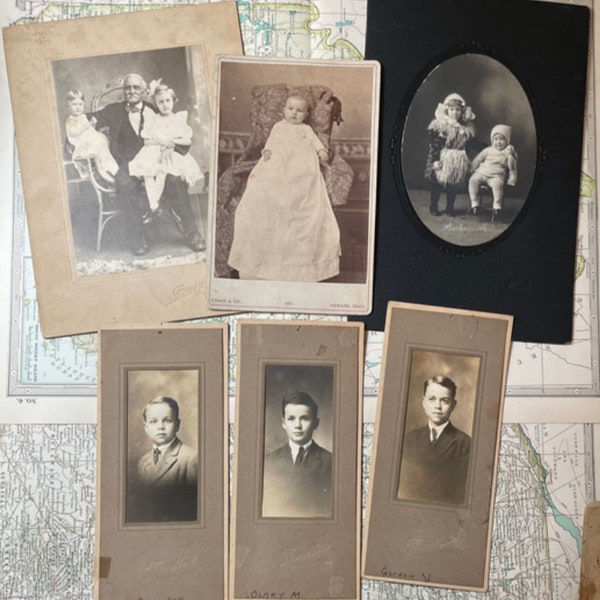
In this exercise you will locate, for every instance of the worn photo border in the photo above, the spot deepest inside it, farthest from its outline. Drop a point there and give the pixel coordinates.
(285, 556)
(323, 297)
(71, 304)
(435, 544)
(188, 557)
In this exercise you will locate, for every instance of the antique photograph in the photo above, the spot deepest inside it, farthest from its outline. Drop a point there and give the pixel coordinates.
(435, 453)
(295, 516)
(469, 150)
(136, 140)
(293, 193)
(112, 119)
(436, 449)
(162, 481)
(162, 445)
(298, 441)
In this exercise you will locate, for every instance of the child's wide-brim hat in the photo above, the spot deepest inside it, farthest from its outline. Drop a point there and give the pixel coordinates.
(504, 130)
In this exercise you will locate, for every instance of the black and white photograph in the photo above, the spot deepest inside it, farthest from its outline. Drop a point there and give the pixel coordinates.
(162, 445)
(298, 437)
(136, 132)
(468, 150)
(293, 196)
(112, 121)
(436, 450)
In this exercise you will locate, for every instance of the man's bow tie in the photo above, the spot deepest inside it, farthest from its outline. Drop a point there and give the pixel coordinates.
(133, 108)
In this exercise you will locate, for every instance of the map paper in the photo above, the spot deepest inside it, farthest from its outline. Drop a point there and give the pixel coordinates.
(47, 471)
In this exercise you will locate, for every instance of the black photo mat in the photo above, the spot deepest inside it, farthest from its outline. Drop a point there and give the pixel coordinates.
(528, 269)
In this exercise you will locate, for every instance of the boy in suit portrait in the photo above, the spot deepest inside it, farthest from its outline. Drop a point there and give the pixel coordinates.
(165, 487)
(297, 476)
(435, 458)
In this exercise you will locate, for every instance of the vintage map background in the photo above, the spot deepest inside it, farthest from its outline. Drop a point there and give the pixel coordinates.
(47, 470)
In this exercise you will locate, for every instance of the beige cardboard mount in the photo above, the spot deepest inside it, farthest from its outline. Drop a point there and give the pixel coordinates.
(39, 58)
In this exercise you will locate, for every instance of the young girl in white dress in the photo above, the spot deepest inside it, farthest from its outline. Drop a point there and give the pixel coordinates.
(86, 141)
(162, 132)
(285, 228)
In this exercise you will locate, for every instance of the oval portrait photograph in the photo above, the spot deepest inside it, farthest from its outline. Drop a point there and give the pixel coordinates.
(468, 150)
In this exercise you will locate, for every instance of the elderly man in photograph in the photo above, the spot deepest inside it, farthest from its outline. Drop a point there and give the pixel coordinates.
(435, 458)
(125, 121)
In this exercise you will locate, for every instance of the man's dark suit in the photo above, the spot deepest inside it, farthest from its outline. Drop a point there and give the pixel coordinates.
(435, 471)
(125, 143)
(302, 490)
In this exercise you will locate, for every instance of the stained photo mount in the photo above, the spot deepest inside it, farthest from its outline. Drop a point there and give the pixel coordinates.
(437, 433)
(100, 255)
(162, 462)
(296, 480)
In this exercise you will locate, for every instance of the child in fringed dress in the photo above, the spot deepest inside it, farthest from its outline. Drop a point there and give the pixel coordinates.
(448, 166)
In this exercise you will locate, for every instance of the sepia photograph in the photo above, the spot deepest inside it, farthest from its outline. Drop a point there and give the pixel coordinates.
(469, 150)
(162, 445)
(436, 449)
(294, 188)
(136, 153)
(112, 118)
(298, 441)
(162, 483)
(434, 464)
(295, 516)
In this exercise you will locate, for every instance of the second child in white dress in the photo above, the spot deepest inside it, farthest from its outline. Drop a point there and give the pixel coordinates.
(165, 134)
(285, 228)
(87, 143)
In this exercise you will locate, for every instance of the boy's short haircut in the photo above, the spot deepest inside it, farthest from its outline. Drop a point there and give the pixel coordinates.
(444, 382)
(164, 400)
(300, 398)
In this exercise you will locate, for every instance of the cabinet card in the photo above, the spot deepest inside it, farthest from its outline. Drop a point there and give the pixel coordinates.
(293, 203)
(161, 525)
(116, 195)
(296, 502)
(433, 473)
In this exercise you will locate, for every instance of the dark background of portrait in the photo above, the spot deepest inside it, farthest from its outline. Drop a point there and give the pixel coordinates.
(494, 95)
(91, 74)
(462, 369)
(280, 380)
(143, 386)
(353, 88)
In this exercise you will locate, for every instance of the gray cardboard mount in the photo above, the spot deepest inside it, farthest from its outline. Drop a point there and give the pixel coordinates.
(297, 557)
(171, 559)
(436, 542)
